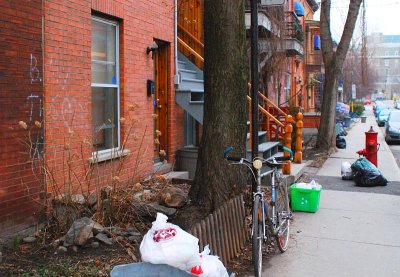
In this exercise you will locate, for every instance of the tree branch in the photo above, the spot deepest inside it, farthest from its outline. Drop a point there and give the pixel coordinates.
(325, 28)
(343, 47)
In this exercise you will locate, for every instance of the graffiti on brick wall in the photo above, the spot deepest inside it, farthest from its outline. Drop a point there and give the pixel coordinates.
(36, 106)
(34, 71)
(70, 109)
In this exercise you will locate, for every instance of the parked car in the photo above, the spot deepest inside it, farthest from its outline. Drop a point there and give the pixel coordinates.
(383, 117)
(393, 127)
(379, 108)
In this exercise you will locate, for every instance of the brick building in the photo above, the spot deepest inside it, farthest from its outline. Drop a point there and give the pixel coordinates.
(21, 99)
(97, 78)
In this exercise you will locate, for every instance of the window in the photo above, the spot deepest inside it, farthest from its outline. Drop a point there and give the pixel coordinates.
(386, 62)
(105, 85)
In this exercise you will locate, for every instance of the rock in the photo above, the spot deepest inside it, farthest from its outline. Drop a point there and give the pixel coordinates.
(123, 234)
(112, 229)
(173, 197)
(78, 198)
(1, 257)
(95, 244)
(97, 228)
(92, 199)
(119, 238)
(57, 242)
(29, 239)
(142, 195)
(154, 208)
(131, 229)
(62, 249)
(133, 239)
(75, 248)
(84, 234)
(75, 230)
(135, 234)
(103, 238)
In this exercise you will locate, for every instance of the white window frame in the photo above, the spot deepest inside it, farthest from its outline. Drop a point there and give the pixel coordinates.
(112, 152)
(386, 62)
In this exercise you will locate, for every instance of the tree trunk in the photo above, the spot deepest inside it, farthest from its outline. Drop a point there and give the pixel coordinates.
(326, 131)
(225, 104)
(333, 63)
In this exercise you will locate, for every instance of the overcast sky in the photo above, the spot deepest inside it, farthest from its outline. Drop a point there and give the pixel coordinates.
(382, 16)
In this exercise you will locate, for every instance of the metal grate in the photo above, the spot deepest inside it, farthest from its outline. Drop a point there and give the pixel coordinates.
(224, 230)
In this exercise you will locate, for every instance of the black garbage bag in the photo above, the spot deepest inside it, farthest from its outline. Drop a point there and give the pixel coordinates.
(340, 142)
(340, 131)
(366, 174)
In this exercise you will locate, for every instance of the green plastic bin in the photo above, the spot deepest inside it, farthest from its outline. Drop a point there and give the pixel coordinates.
(304, 199)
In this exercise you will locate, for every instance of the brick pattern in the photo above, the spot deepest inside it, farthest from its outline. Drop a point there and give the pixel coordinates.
(68, 87)
(63, 75)
(21, 98)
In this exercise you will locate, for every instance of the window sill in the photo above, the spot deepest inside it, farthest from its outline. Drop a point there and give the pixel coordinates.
(109, 155)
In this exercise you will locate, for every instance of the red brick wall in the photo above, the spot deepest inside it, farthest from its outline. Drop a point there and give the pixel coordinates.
(21, 98)
(68, 86)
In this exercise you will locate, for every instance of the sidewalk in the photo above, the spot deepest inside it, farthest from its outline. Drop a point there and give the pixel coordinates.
(354, 233)
(355, 141)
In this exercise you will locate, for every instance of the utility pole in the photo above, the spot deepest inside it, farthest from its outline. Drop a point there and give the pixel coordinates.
(364, 62)
(254, 81)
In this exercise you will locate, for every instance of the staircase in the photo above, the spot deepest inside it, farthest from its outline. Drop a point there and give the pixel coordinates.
(190, 91)
(266, 148)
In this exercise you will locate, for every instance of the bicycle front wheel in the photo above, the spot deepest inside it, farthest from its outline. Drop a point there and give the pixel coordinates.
(283, 214)
(258, 236)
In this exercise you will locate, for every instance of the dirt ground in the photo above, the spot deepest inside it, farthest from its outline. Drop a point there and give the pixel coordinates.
(41, 258)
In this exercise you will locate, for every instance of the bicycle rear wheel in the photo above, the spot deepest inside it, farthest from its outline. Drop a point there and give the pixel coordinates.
(257, 231)
(283, 217)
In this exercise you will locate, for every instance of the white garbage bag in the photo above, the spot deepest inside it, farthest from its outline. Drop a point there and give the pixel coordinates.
(346, 171)
(206, 265)
(166, 243)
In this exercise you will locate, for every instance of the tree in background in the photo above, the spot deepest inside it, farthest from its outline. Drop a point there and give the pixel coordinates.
(225, 104)
(333, 63)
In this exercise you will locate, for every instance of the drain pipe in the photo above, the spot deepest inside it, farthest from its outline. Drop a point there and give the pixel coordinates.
(176, 77)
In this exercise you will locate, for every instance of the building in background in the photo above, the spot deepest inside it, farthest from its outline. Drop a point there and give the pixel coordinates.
(384, 52)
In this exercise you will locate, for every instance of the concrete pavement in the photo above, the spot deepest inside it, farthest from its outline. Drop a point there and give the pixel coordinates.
(356, 231)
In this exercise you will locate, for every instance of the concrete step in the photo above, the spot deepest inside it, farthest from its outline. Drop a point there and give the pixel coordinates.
(262, 137)
(181, 65)
(191, 84)
(265, 149)
(176, 175)
(188, 74)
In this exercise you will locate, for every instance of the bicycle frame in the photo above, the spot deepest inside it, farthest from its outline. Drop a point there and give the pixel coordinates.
(271, 220)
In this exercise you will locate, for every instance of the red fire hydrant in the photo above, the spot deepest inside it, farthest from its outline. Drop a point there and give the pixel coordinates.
(371, 147)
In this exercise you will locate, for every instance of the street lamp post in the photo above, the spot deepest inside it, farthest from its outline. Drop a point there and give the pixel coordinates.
(254, 81)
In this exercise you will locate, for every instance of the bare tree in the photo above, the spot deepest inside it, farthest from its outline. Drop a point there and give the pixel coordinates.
(333, 61)
(225, 104)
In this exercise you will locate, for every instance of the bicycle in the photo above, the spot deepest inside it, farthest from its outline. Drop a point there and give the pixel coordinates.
(267, 222)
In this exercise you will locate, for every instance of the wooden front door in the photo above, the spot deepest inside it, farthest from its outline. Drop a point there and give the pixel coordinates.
(161, 101)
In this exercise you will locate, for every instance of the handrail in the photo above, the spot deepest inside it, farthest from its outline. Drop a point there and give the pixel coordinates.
(190, 35)
(264, 111)
(272, 103)
(269, 101)
(191, 50)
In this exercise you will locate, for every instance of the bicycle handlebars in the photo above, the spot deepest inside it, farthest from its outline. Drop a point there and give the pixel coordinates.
(273, 161)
